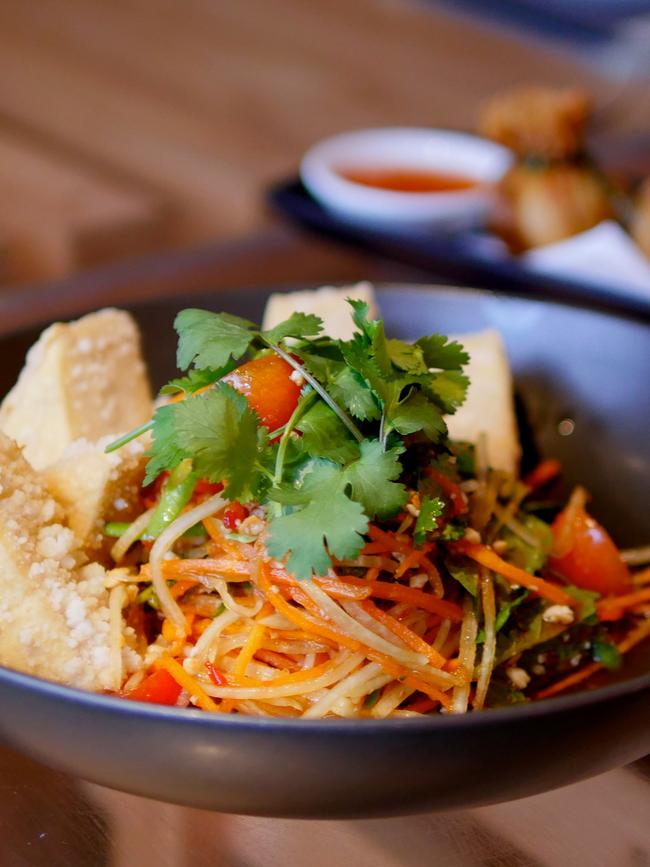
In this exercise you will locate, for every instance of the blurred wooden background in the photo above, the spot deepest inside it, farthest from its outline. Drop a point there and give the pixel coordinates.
(135, 125)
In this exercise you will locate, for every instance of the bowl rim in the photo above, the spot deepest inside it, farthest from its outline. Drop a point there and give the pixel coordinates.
(115, 705)
(317, 168)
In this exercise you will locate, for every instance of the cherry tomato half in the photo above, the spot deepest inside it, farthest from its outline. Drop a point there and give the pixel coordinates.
(266, 382)
(233, 515)
(592, 560)
(159, 688)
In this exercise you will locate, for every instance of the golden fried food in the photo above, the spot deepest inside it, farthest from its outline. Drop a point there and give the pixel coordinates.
(542, 205)
(640, 228)
(540, 121)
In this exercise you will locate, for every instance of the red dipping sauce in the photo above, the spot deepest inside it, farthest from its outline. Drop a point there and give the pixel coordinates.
(408, 180)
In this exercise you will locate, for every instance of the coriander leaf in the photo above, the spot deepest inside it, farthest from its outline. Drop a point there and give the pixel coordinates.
(464, 453)
(452, 531)
(360, 311)
(328, 518)
(379, 347)
(431, 508)
(417, 413)
(441, 353)
(606, 653)
(503, 614)
(165, 452)
(297, 325)
(406, 356)
(466, 573)
(449, 388)
(325, 436)
(357, 356)
(371, 479)
(195, 380)
(208, 339)
(533, 631)
(348, 387)
(219, 432)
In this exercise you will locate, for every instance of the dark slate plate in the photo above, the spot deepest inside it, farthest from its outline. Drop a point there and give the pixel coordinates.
(588, 365)
(467, 258)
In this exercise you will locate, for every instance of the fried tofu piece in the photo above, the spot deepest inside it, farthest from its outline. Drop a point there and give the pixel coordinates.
(54, 615)
(489, 407)
(538, 121)
(328, 302)
(94, 487)
(544, 205)
(641, 219)
(84, 379)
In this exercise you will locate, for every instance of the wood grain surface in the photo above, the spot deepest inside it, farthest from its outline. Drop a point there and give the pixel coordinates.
(149, 124)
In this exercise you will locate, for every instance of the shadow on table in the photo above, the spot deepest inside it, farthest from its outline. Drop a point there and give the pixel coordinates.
(46, 819)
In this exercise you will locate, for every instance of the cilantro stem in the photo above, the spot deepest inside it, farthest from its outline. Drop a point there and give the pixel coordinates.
(315, 384)
(303, 404)
(382, 430)
(127, 437)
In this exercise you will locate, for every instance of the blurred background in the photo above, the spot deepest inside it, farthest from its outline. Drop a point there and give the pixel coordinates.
(149, 125)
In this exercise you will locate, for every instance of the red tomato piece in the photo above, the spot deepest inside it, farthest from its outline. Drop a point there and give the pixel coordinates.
(267, 385)
(592, 560)
(158, 688)
(233, 515)
(207, 489)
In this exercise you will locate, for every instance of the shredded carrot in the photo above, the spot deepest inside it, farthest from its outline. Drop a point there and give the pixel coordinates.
(571, 680)
(380, 547)
(411, 639)
(412, 559)
(171, 634)
(393, 541)
(613, 608)
(189, 683)
(421, 705)
(631, 639)
(542, 474)
(642, 577)
(289, 677)
(335, 588)
(221, 567)
(418, 598)
(309, 624)
(181, 587)
(490, 559)
(277, 660)
(249, 649)
(434, 575)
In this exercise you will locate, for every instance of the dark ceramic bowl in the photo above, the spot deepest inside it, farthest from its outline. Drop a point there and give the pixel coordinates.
(591, 367)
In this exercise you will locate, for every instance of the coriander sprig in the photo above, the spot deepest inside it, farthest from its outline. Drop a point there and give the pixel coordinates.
(339, 461)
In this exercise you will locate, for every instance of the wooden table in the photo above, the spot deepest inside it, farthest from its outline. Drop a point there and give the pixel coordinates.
(148, 125)
(48, 819)
(276, 256)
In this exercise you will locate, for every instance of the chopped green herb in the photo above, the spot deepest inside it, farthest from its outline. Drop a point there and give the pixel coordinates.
(431, 508)
(326, 476)
(606, 653)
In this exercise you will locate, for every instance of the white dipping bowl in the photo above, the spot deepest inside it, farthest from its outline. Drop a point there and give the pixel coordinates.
(405, 149)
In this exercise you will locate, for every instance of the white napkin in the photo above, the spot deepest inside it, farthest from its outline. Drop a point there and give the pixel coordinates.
(604, 255)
